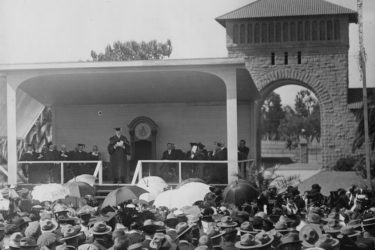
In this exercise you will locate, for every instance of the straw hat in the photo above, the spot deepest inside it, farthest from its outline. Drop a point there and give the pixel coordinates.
(310, 234)
(247, 241)
(48, 225)
(70, 232)
(290, 238)
(226, 221)
(100, 228)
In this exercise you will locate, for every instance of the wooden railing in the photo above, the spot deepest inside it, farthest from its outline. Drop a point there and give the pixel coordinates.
(138, 173)
(98, 173)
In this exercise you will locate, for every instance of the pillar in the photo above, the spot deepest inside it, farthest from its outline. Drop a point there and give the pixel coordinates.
(232, 134)
(11, 134)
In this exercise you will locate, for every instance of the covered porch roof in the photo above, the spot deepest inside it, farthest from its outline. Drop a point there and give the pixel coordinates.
(184, 80)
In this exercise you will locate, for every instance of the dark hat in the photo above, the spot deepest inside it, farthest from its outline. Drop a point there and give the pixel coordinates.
(310, 234)
(219, 143)
(171, 220)
(200, 145)
(247, 241)
(193, 144)
(290, 238)
(227, 221)
(118, 129)
(151, 226)
(316, 187)
(100, 228)
(81, 145)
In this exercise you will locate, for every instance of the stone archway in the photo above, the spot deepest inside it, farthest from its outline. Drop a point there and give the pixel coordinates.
(334, 146)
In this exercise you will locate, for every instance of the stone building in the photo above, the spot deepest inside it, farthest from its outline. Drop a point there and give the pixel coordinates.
(302, 42)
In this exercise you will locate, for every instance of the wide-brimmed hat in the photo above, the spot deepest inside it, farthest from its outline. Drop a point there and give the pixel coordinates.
(349, 231)
(171, 220)
(26, 242)
(247, 241)
(290, 238)
(314, 218)
(310, 234)
(192, 218)
(48, 225)
(15, 240)
(100, 228)
(247, 227)
(151, 226)
(281, 227)
(264, 238)
(182, 228)
(227, 221)
(332, 226)
(70, 232)
(326, 241)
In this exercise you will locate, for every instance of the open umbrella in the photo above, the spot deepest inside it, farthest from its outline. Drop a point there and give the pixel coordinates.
(239, 192)
(121, 195)
(49, 192)
(166, 199)
(189, 181)
(79, 189)
(87, 178)
(153, 184)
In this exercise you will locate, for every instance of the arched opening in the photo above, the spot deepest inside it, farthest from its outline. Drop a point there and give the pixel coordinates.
(289, 128)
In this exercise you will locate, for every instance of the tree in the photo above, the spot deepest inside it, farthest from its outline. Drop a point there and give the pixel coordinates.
(132, 50)
(272, 114)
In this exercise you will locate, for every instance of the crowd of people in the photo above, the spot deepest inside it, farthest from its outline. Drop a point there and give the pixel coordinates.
(345, 220)
(48, 172)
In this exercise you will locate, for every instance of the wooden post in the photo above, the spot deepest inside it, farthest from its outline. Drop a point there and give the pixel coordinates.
(12, 134)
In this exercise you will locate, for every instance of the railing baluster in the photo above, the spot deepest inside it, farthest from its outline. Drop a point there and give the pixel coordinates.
(179, 172)
(140, 170)
(62, 172)
(100, 172)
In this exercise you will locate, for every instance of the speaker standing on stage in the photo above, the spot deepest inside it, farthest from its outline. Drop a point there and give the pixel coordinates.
(119, 148)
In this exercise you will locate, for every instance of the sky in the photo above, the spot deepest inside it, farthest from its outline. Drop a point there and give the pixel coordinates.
(35, 31)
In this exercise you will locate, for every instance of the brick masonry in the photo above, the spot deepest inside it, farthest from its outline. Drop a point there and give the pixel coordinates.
(323, 71)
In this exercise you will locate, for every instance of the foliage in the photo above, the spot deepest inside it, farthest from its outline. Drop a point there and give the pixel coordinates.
(360, 167)
(345, 164)
(132, 50)
(304, 121)
(360, 132)
(272, 114)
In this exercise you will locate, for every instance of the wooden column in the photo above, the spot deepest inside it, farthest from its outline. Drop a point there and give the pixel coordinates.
(12, 134)
(232, 134)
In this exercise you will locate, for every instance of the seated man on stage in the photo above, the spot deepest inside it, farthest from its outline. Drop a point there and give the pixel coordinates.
(28, 155)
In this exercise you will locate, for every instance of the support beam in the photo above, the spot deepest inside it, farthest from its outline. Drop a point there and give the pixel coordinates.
(232, 134)
(11, 134)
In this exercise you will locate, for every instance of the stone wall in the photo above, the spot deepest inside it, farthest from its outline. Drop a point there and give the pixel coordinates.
(325, 72)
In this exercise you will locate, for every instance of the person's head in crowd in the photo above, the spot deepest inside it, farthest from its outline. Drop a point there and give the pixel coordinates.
(33, 230)
(118, 131)
(219, 144)
(80, 147)
(121, 242)
(48, 240)
(102, 234)
(169, 146)
(290, 241)
(71, 235)
(95, 148)
(15, 241)
(29, 148)
(229, 235)
(117, 233)
(242, 143)
(20, 224)
(63, 148)
(27, 243)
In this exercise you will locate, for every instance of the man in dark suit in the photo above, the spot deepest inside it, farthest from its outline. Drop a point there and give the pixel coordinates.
(243, 153)
(119, 148)
(220, 154)
(170, 153)
(53, 169)
(28, 155)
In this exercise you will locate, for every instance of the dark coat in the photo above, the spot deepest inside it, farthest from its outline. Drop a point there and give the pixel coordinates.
(118, 156)
(243, 153)
(173, 155)
(220, 155)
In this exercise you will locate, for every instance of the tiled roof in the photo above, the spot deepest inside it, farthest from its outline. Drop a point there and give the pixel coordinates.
(285, 8)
